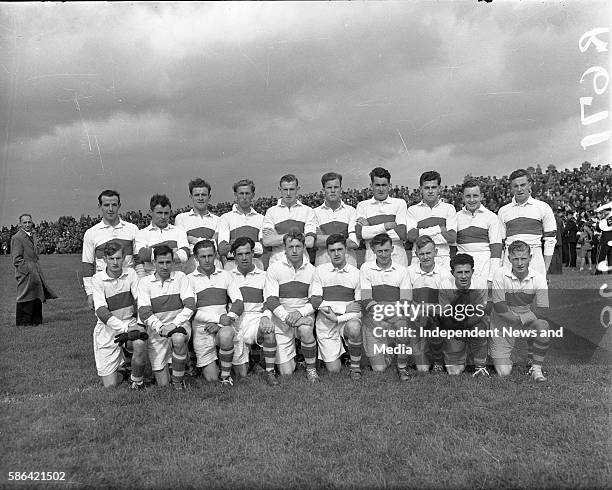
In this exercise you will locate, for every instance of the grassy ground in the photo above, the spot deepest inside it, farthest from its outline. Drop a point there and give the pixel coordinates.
(435, 431)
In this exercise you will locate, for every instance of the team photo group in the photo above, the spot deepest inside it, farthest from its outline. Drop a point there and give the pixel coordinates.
(195, 298)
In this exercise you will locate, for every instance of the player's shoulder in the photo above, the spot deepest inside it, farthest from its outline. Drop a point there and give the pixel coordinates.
(539, 279)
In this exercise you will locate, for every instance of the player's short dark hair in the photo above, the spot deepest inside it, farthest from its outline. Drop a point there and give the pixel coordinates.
(244, 182)
(294, 235)
(381, 173)
(241, 241)
(335, 238)
(108, 193)
(518, 246)
(325, 178)
(462, 259)
(289, 178)
(428, 176)
(521, 172)
(159, 250)
(159, 200)
(24, 214)
(111, 248)
(198, 183)
(423, 241)
(203, 244)
(380, 239)
(469, 183)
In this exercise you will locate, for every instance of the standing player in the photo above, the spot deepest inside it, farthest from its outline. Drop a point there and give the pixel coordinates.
(426, 279)
(114, 291)
(433, 217)
(335, 288)
(165, 305)
(286, 295)
(478, 232)
(465, 290)
(241, 221)
(112, 227)
(517, 293)
(528, 220)
(212, 324)
(335, 217)
(199, 223)
(159, 232)
(288, 215)
(255, 324)
(382, 283)
(382, 214)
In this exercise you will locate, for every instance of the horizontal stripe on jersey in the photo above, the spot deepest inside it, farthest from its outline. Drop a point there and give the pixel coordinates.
(472, 234)
(524, 226)
(334, 227)
(201, 232)
(519, 298)
(168, 302)
(289, 225)
(246, 231)
(293, 289)
(385, 292)
(251, 294)
(380, 218)
(431, 221)
(212, 296)
(426, 295)
(120, 300)
(338, 293)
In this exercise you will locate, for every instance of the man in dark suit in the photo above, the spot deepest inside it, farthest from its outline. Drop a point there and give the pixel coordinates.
(32, 289)
(570, 233)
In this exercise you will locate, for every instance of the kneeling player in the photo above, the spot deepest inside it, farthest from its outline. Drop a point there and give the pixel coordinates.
(384, 283)
(254, 325)
(515, 293)
(165, 305)
(114, 290)
(212, 324)
(335, 289)
(467, 294)
(286, 295)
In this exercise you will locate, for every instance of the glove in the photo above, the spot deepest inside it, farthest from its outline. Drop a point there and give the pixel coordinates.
(176, 330)
(132, 335)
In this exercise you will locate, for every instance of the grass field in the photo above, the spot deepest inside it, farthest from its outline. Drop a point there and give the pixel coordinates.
(432, 432)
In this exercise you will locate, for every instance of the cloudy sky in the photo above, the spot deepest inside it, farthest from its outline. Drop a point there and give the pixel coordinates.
(143, 97)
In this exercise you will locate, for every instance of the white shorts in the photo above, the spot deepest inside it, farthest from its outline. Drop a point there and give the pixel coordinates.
(247, 327)
(160, 348)
(329, 339)
(285, 340)
(109, 356)
(205, 346)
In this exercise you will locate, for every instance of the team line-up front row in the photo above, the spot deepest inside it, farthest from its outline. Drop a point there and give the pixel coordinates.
(157, 310)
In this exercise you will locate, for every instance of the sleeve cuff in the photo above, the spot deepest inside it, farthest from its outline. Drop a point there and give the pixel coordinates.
(306, 310)
(88, 285)
(280, 313)
(116, 324)
(182, 255)
(233, 315)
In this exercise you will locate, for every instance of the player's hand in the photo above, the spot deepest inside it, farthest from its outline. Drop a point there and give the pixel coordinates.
(329, 314)
(132, 335)
(390, 225)
(362, 221)
(226, 320)
(353, 307)
(211, 328)
(292, 318)
(265, 325)
(90, 301)
(166, 329)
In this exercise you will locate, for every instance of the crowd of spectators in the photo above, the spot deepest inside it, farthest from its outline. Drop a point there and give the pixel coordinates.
(572, 193)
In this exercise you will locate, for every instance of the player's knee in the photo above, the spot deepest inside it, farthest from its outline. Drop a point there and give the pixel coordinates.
(353, 330)
(269, 338)
(306, 333)
(540, 325)
(139, 347)
(179, 341)
(226, 337)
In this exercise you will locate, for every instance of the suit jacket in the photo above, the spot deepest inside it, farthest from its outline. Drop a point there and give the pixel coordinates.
(31, 283)
(570, 231)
